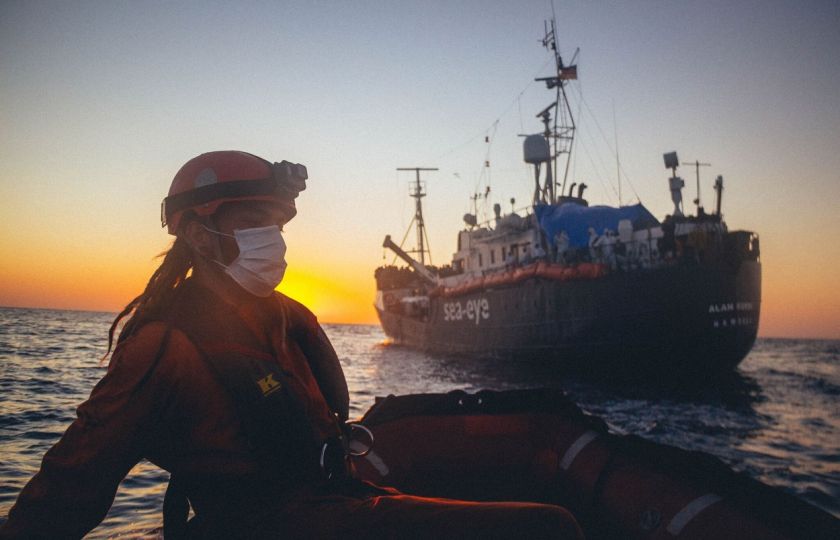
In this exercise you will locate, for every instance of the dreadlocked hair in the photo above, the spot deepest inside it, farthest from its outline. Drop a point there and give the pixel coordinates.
(159, 292)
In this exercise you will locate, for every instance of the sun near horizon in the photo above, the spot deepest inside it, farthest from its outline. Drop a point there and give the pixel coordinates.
(347, 299)
(94, 286)
(345, 294)
(47, 270)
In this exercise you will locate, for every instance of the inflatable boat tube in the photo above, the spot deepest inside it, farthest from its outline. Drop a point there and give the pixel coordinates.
(536, 445)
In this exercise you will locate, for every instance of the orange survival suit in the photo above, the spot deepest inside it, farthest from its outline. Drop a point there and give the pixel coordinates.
(162, 400)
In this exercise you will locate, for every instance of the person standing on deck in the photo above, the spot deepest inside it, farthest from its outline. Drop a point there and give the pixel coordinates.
(235, 390)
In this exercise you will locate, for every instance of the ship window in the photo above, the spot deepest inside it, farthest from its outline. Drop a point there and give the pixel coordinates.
(492, 256)
(480, 260)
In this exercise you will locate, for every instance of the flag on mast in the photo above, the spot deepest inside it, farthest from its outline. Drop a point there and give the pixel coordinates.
(568, 73)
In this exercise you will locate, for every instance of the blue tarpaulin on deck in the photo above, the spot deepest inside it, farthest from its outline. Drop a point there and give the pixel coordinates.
(576, 220)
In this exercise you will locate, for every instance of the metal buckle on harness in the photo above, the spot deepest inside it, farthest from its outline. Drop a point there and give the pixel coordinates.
(367, 450)
(328, 462)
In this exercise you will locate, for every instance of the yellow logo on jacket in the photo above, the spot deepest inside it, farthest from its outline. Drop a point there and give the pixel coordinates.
(268, 385)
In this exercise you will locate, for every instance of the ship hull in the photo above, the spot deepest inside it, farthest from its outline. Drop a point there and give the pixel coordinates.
(682, 318)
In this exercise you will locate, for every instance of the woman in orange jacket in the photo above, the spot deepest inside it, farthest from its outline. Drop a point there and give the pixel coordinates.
(236, 391)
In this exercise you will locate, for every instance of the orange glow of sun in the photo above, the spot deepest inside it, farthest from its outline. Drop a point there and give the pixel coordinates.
(333, 299)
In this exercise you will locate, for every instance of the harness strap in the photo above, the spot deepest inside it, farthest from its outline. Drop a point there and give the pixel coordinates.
(274, 420)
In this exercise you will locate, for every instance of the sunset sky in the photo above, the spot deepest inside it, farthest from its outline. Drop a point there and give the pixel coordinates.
(102, 102)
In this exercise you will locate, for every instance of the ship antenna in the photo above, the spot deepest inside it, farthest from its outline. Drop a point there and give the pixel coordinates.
(617, 161)
(563, 132)
(697, 166)
(417, 193)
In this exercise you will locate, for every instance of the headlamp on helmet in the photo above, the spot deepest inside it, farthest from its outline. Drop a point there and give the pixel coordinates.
(206, 182)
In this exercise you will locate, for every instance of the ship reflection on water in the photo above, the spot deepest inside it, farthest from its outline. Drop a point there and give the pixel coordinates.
(472, 373)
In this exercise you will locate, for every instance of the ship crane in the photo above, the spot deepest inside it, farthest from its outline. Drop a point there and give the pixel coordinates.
(422, 239)
(421, 269)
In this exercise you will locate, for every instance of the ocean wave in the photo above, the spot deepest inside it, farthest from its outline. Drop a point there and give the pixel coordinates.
(772, 419)
(822, 386)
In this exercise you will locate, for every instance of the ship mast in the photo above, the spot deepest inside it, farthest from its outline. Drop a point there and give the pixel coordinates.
(417, 193)
(697, 201)
(562, 133)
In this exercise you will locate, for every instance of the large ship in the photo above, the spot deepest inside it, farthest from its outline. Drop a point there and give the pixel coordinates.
(586, 286)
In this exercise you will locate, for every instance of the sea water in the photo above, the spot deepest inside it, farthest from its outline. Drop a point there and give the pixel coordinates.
(777, 418)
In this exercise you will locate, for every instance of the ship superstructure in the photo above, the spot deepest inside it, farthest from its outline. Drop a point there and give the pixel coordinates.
(577, 283)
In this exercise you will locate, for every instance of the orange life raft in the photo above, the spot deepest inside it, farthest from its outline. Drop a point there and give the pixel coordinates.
(536, 445)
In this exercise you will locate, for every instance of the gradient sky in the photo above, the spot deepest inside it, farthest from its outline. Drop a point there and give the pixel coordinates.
(102, 102)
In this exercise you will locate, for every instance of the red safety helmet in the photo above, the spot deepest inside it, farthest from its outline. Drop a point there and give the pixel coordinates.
(208, 180)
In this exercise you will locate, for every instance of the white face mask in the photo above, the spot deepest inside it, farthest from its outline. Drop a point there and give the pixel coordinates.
(261, 263)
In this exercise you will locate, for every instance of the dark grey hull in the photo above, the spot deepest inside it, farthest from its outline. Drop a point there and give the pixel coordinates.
(682, 318)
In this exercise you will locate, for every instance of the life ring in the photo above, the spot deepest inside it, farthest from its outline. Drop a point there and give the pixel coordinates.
(389, 299)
